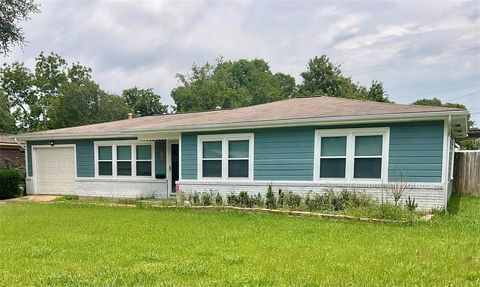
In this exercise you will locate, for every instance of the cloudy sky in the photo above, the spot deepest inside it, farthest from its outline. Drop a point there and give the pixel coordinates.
(416, 48)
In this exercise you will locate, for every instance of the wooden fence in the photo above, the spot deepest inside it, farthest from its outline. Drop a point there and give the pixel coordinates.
(467, 172)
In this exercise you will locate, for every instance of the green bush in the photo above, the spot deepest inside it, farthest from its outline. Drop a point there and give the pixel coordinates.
(244, 199)
(195, 198)
(258, 200)
(10, 180)
(232, 199)
(280, 198)
(207, 199)
(292, 200)
(218, 199)
(270, 201)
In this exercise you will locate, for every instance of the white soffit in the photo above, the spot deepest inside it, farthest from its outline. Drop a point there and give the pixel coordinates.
(159, 136)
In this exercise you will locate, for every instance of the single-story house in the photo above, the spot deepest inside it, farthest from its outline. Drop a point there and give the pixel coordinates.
(299, 145)
(11, 153)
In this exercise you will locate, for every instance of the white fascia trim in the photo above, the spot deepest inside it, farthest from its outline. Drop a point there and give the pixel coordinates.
(322, 121)
(27, 137)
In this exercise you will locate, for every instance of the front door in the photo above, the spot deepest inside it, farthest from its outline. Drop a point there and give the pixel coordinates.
(174, 166)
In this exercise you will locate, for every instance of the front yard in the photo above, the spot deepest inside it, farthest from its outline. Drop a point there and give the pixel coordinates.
(69, 245)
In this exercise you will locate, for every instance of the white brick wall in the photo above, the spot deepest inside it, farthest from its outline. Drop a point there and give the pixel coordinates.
(427, 196)
(131, 188)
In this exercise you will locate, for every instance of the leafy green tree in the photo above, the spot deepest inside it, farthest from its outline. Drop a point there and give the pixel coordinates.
(144, 101)
(7, 122)
(11, 12)
(30, 93)
(325, 78)
(438, 103)
(231, 85)
(82, 103)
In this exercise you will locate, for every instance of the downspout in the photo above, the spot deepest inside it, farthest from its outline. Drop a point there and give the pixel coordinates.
(447, 154)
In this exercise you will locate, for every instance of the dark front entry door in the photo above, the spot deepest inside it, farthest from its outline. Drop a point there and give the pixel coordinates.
(174, 165)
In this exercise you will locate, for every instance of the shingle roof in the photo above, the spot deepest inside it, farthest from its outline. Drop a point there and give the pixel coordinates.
(294, 109)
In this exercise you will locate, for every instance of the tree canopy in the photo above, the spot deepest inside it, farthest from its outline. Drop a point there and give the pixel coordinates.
(325, 78)
(438, 103)
(12, 12)
(230, 85)
(144, 102)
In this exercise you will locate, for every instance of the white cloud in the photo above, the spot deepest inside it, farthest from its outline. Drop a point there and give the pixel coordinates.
(413, 47)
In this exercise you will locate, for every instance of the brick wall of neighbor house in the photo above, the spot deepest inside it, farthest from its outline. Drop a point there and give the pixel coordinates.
(12, 157)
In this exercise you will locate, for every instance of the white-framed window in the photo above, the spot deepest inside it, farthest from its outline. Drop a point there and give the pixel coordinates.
(225, 157)
(124, 159)
(351, 155)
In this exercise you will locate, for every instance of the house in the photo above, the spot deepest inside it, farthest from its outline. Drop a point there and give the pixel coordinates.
(299, 145)
(11, 153)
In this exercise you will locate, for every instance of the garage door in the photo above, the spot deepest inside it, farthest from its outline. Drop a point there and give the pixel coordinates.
(55, 169)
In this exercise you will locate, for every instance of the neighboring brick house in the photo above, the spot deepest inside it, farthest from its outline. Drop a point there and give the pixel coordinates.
(11, 153)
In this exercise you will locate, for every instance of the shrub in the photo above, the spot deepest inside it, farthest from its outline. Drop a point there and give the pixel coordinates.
(206, 199)
(10, 180)
(218, 199)
(181, 198)
(292, 200)
(245, 200)
(258, 200)
(411, 204)
(195, 198)
(270, 198)
(232, 199)
(280, 198)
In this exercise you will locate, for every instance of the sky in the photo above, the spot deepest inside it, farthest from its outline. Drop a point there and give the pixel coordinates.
(418, 49)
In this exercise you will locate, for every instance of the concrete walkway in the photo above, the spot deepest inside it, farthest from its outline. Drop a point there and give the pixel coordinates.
(31, 198)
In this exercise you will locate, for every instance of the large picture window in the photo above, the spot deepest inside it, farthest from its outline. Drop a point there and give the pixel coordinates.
(226, 156)
(124, 159)
(351, 154)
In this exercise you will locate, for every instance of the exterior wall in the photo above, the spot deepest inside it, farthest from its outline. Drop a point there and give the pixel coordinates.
(121, 188)
(428, 196)
(12, 156)
(87, 185)
(415, 152)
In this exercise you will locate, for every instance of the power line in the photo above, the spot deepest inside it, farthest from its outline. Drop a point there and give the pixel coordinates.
(466, 95)
(406, 62)
(441, 91)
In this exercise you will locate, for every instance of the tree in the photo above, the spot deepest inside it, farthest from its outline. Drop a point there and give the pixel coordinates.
(83, 103)
(438, 103)
(231, 85)
(144, 102)
(11, 12)
(30, 93)
(7, 122)
(325, 78)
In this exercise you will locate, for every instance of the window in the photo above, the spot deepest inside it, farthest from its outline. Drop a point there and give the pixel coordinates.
(124, 159)
(225, 156)
(352, 154)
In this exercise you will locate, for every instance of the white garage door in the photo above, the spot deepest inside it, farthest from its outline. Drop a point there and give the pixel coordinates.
(55, 170)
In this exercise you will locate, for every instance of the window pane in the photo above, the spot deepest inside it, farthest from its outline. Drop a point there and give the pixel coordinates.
(212, 149)
(124, 168)
(105, 168)
(332, 168)
(238, 168)
(144, 168)
(124, 152)
(212, 168)
(334, 146)
(105, 153)
(368, 168)
(144, 152)
(238, 149)
(368, 145)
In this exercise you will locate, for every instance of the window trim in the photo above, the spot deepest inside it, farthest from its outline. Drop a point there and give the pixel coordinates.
(133, 144)
(350, 153)
(225, 138)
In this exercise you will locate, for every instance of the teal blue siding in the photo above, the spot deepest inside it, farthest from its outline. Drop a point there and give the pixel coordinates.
(284, 154)
(416, 150)
(160, 159)
(84, 156)
(189, 156)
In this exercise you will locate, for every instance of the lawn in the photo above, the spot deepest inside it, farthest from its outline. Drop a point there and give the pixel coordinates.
(64, 244)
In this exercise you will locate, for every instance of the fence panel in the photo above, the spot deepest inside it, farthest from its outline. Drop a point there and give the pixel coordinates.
(467, 172)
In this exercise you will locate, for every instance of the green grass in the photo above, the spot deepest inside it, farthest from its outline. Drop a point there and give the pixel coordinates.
(63, 244)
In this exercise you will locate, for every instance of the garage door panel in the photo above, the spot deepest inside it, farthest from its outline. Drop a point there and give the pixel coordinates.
(55, 170)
